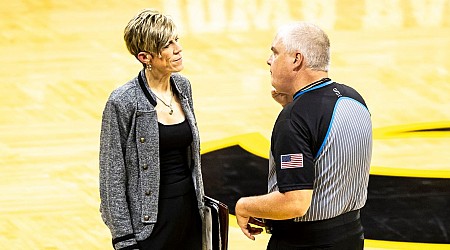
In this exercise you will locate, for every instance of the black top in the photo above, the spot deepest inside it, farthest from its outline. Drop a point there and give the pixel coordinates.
(322, 141)
(173, 143)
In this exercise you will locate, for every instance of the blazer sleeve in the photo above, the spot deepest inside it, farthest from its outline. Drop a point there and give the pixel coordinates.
(113, 198)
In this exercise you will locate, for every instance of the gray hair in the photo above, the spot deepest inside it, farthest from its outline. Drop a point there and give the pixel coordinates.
(310, 40)
(148, 31)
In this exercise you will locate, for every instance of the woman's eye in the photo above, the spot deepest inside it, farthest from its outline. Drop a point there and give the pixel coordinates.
(170, 43)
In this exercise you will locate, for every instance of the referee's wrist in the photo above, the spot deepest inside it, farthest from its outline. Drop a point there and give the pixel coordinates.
(240, 208)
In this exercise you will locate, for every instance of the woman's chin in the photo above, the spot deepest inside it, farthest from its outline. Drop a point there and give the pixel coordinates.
(177, 68)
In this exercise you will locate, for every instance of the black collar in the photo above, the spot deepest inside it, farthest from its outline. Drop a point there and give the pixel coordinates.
(312, 85)
(147, 94)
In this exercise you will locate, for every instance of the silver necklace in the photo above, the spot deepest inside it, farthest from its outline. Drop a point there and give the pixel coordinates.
(170, 103)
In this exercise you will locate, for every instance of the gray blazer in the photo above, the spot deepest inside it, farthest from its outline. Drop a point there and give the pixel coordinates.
(129, 160)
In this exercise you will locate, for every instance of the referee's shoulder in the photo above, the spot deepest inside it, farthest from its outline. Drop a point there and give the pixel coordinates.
(351, 92)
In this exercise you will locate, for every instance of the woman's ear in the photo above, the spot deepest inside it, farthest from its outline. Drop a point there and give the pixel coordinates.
(145, 57)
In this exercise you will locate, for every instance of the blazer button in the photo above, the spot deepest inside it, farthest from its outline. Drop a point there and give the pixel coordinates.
(148, 192)
(142, 139)
(146, 217)
(145, 166)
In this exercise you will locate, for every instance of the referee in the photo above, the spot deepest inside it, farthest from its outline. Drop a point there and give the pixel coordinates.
(321, 149)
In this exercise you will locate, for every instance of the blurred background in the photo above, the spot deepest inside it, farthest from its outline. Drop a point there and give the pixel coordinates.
(60, 60)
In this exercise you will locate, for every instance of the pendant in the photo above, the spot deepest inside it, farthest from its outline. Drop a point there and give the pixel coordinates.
(171, 112)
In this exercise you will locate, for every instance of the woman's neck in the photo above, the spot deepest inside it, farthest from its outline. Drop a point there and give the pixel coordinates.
(158, 82)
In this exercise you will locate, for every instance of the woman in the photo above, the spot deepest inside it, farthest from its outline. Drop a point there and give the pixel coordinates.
(151, 187)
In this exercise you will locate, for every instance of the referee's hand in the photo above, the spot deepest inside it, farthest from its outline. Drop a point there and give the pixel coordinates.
(244, 223)
(246, 228)
(281, 98)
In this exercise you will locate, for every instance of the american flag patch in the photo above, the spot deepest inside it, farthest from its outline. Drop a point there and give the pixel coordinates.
(291, 161)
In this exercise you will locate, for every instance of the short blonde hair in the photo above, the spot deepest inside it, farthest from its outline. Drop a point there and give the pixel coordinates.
(148, 31)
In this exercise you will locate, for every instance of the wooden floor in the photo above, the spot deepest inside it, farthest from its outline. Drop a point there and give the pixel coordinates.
(61, 59)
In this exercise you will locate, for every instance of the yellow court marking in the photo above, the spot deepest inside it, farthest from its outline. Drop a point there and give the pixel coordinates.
(380, 244)
(424, 173)
(254, 143)
(423, 130)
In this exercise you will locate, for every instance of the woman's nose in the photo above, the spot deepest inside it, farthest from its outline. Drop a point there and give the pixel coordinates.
(178, 47)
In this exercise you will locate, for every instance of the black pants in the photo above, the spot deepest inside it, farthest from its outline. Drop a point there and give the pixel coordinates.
(344, 232)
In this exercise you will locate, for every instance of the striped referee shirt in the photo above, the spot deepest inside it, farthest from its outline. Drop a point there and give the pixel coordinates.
(323, 141)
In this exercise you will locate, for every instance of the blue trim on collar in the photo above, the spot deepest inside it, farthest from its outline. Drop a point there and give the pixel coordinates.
(313, 88)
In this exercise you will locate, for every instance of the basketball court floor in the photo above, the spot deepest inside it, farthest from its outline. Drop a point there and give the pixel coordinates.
(61, 59)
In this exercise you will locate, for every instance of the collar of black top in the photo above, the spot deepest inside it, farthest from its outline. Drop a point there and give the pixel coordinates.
(310, 86)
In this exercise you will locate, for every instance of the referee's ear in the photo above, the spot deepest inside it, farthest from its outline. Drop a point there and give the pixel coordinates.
(299, 60)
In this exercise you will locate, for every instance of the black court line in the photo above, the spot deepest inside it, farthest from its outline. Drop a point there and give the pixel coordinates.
(443, 129)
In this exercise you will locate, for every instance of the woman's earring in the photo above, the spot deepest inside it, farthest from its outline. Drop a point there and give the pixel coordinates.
(149, 67)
